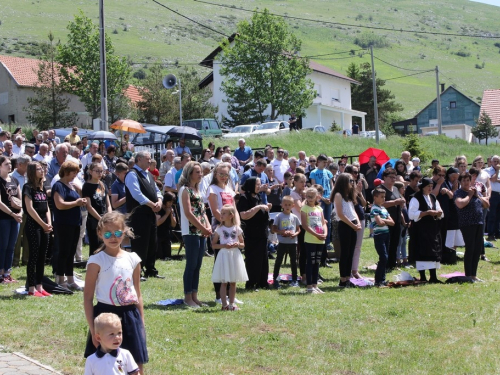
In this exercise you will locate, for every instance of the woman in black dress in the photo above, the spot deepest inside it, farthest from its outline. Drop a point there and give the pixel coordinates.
(255, 217)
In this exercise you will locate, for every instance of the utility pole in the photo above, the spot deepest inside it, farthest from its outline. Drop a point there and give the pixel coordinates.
(438, 103)
(375, 105)
(104, 81)
(180, 102)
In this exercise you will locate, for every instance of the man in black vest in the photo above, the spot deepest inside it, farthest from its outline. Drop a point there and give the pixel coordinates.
(143, 202)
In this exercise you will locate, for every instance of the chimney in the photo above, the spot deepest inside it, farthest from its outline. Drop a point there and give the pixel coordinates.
(442, 87)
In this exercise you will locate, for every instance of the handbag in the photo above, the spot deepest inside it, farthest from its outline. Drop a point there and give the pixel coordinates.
(15, 202)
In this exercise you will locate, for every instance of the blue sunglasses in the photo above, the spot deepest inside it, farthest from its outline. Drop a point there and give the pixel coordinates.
(116, 233)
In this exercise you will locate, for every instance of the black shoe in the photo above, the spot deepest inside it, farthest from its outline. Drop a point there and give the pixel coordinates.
(491, 238)
(207, 254)
(325, 265)
(321, 277)
(483, 257)
(435, 281)
(271, 256)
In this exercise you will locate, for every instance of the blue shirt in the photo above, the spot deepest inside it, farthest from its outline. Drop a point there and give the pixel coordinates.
(54, 167)
(181, 150)
(132, 183)
(244, 154)
(118, 188)
(322, 177)
(263, 179)
(177, 176)
(66, 217)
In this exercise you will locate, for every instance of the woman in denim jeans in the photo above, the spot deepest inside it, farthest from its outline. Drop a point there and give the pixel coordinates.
(195, 229)
(10, 218)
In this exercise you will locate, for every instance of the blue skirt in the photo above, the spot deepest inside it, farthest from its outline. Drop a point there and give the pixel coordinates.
(134, 334)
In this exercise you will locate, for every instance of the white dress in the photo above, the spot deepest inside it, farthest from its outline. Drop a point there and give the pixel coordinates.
(229, 266)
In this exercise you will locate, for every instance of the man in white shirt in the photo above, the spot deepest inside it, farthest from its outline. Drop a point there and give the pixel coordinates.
(43, 153)
(18, 147)
(167, 163)
(169, 183)
(280, 166)
(405, 156)
(87, 158)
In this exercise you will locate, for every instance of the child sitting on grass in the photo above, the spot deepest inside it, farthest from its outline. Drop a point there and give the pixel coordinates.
(109, 358)
(381, 219)
(287, 227)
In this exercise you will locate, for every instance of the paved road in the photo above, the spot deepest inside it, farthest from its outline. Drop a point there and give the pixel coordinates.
(19, 364)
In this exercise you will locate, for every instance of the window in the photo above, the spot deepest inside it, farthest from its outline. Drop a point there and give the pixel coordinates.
(453, 105)
(214, 125)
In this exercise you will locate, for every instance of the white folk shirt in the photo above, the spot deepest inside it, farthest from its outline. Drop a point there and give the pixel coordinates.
(495, 186)
(118, 362)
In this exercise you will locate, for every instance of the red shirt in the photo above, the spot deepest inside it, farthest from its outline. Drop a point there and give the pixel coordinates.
(155, 172)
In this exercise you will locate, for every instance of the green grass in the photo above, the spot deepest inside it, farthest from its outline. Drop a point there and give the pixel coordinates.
(448, 329)
(441, 147)
(156, 34)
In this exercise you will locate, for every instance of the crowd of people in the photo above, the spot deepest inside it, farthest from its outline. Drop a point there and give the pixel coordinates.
(56, 194)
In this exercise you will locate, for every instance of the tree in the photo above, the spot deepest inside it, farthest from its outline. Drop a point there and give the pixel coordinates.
(264, 64)
(50, 105)
(362, 95)
(80, 62)
(244, 112)
(484, 129)
(161, 106)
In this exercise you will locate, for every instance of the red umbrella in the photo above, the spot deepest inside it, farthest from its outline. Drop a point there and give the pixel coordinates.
(381, 156)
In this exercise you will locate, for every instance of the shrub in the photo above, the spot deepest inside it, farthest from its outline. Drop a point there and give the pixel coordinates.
(366, 40)
(462, 53)
(115, 31)
(412, 144)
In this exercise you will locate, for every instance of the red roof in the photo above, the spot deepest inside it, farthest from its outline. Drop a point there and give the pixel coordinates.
(132, 92)
(23, 71)
(491, 105)
(325, 70)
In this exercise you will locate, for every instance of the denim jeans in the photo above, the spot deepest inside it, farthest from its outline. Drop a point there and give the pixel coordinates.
(327, 213)
(195, 249)
(382, 247)
(9, 230)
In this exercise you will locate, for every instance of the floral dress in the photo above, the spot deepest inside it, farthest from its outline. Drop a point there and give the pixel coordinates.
(198, 210)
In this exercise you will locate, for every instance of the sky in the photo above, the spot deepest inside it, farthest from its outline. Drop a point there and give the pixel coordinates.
(491, 2)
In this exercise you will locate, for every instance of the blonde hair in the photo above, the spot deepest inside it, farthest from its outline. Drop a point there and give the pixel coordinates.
(232, 209)
(104, 320)
(188, 169)
(310, 191)
(287, 198)
(117, 218)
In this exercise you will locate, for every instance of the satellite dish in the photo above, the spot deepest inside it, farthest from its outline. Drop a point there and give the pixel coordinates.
(169, 81)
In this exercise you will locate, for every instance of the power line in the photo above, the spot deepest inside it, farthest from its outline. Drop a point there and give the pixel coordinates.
(409, 75)
(395, 66)
(350, 25)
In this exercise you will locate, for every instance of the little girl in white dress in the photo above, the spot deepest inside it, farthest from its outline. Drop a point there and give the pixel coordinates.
(229, 266)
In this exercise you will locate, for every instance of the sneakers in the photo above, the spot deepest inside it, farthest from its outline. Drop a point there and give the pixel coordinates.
(46, 294)
(236, 300)
(319, 290)
(276, 284)
(407, 266)
(312, 291)
(381, 284)
(36, 293)
(294, 284)
(75, 286)
(219, 301)
(9, 279)
(230, 308)
(346, 284)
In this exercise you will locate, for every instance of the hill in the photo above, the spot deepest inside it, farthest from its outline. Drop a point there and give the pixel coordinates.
(148, 33)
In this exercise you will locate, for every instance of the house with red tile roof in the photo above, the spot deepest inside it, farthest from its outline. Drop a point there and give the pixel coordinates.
(18, 82)
(332, 103)
(490, 104)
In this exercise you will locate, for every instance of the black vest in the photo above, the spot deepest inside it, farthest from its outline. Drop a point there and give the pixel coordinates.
(426, 233)
(148, 188)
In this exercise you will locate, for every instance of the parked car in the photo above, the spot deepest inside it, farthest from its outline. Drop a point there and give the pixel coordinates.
(208, 127)
(371, 134)
(61, 133)
(241, 131)
(272, 127)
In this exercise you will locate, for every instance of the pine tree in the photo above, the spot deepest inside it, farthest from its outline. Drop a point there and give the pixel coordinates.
(484, 128)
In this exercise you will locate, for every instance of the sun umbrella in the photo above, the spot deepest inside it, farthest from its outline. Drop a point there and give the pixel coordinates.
(392, 162)
(381, 156)
(185, 132)
(128, 125)
(101, 134)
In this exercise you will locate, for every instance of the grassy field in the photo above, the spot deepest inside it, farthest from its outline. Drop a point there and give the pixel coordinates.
(431, 329)
(148, 33)
(440, 147)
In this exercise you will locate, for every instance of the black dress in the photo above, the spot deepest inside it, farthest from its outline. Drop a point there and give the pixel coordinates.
(426, 235)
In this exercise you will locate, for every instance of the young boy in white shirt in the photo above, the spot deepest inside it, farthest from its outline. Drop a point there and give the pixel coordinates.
(109, 358)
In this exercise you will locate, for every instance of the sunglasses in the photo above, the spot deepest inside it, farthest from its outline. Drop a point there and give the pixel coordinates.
(341, 165)
(280, 152)
(355, 172)
(116, 233)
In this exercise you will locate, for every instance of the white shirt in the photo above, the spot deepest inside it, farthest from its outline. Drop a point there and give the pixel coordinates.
(413, 209)
(47, 158)
(122, 364)
(204, 184)
(16, 150)
(224, 196)
(170, 178)
(495, 186)
(483, 177)
(87, 160)
(280, 167)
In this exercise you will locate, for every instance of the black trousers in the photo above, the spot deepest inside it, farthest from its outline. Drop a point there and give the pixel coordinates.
(348, 237)
(302, 251)
(38, 242)
(94, 241)
(164, 247)
(291, 250)
(394, 235)
(144, 243)
(256, 262)
(67, 237)
(474, 245)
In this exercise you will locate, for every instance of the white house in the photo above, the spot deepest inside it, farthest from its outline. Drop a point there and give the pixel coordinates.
(333, 101)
